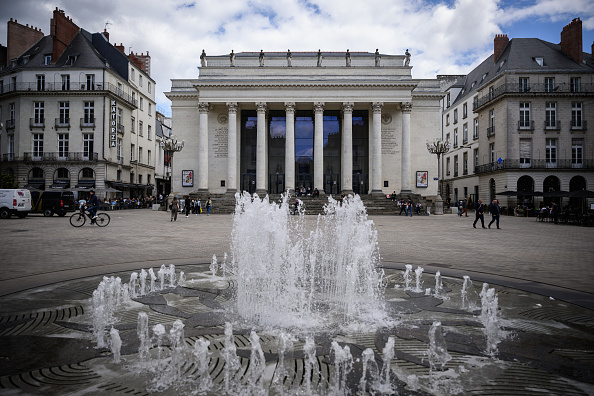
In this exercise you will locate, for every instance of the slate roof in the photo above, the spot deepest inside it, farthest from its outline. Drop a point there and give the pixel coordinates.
(519, 56)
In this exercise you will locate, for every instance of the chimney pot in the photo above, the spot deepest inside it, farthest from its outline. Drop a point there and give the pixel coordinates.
(571, 40)
(499, 44)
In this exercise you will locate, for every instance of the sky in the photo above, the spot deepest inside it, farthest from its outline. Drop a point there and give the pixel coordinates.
(443, 36)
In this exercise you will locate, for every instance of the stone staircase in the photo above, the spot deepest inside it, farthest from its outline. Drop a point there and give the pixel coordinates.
(225, 203)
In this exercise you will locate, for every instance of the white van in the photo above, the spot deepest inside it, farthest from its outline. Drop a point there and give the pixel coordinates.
(15, 202)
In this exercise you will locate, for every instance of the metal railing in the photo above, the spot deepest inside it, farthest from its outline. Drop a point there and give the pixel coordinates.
(57, 156)
(9, 157)
(522, 89)
(581, 127)
(37, 122)
(513, 164)
(62, 122)
(87, 122)
(10, 124)
(491, 131)
(552, 126)
(526, 125)
(120, 129)
(71, 87)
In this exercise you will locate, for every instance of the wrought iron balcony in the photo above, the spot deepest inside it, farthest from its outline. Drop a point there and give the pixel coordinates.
(580, 127)
(491, 131)
(10, 124)
(120, 129)
(526, 125)
(552, 126)
(515, 164)
(37, 122)
(87, 122)
(9, 157)
(60, 157)
(530, 89)
(62, 123)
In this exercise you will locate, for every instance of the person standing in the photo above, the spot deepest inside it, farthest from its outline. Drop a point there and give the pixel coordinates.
(480, 213)
(188, 205)
(198, 207)
(555, 212)
(409, 206)
(174, 208)
(495, 210)
(208, 206)
(464, 208)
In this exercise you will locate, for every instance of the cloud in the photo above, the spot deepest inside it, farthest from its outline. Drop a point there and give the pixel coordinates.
(443, 36)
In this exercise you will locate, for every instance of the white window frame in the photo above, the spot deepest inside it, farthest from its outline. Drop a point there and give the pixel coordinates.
(551, 115)
(88, 145)
(576, 115)
(37, 145)
(551, 152)
(64, 112)
(63, 145)
(525, 115)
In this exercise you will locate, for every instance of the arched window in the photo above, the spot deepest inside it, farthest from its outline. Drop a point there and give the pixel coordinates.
(551, 183)
(61, 173)
(36, 173)
(87, 173)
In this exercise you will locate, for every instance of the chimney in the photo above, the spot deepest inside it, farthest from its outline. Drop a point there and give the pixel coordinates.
(106, 34)
(142, 61)
(20, 38)
(121, 48)
(571, 40)
(592, 48)
(63, 31)
(499, 44)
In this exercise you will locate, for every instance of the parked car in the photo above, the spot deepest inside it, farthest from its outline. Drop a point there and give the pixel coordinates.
(14, 202)
(50, 202)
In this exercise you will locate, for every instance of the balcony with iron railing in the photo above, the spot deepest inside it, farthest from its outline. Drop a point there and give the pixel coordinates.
(120, 129)
(28, 87)
(552, 125)
(531, 89)
(37, 122)
(579, 126)
(10, 124)
(87, 122)
(60, 156)
(515, 164)
(62, 123)
(9, 157)
(491, 131)
(526, 125)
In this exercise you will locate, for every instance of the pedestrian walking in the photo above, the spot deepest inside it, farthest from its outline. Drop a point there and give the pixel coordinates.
(208, 206)
(480, 213)
(495, 210)
(464, 208)
(555, 212)
(188, 205)
(199, 207)
(409, 206)
(402, 206)
(174, 208)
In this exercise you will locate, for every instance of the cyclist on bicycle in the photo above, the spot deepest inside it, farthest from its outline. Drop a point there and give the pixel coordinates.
(93, 205)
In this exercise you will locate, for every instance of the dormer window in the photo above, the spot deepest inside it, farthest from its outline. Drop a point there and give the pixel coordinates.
(25, 59)
(71, 60)
(484, 76)
(540, 61)
(472, 85)
(47, 59)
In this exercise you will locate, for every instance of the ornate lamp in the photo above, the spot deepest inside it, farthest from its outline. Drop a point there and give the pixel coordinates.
(438, 147)
(171, 144)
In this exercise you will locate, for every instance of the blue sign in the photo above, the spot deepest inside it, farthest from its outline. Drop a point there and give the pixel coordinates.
(500, 160)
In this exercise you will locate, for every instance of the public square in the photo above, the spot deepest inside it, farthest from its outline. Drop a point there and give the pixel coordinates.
(541, 272)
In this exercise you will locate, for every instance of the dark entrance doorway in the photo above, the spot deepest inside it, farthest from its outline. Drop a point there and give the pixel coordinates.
(276, 183)
(332, 183)
(360, 183)
(248, 182)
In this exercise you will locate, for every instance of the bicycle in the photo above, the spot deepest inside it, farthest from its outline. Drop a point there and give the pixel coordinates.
(79, 218)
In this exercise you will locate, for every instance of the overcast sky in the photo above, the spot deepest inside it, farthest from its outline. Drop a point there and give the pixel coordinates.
(443, 36)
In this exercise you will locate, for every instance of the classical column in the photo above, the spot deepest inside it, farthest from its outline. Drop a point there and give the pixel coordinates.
(376, 147)
(232, 148)
(261, 155)
(347, 148)
(406, 108)
(290, 147)
(319, 147)
(203, 108)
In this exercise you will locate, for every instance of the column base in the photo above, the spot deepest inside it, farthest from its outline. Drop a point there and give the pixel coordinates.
(377, 194)
(405, 191)
(203, 191)
(231, 191)
(261, 193)
(438, 206)
(348, 192)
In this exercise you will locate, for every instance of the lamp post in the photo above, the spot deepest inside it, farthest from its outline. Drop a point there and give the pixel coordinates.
(172, 145)
(438, 147)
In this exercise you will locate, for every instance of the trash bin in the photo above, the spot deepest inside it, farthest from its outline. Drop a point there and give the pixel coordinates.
(156, 206)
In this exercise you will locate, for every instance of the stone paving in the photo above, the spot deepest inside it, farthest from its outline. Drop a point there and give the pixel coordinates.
(541, 272)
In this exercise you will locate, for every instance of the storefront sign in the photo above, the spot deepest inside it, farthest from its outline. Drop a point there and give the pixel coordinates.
(113, 124)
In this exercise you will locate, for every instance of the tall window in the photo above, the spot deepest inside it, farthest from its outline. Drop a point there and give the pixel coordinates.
(38, 112)
(455, 165)
(132, 149)
(90, 82)
(11, 145)
(88, 145)
(63, 145)
(551, 152)
(64, 108)
(476, 158)
(577, 153)
(524, 114)
(149, 132)
(476, 129)
(465, 133)
(492, 118)
(140, 80)
(448, 166)
(455, 116)
(549, 84)
(89, 113)
(65, 82)
(150, 108)
(148, 157)
(132, 127)
(576, 114)
(139, 179)
(41, 82)
(140, 155)
(464, 110)
(465, 163)
(551, 115)
(149, 86)
(140, 125)
(575, 84)
(38, 145)
(132, 75)
(141, 103)
(492, 152)
(119, 152)
(523, 84)
(455, 137)
(525, 152)
(491, 92)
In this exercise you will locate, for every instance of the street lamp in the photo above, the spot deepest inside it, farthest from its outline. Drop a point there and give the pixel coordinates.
(172, 145)
(438, 147)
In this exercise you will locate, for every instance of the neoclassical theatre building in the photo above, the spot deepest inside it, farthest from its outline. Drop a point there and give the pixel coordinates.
(336, 121)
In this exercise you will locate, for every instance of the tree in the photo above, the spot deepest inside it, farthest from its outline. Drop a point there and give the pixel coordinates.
(7, 181)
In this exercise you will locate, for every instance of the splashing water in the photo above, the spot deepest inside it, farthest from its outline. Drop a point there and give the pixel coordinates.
(385, 384)
(438, 291)
(419, 281)
(229, 354)
(438, 350)
(490, 319)
(145, 344)
(331, 271)
(257, 366)
(369, 366)
(214, 265)
(407, 276)
(469, 295)
(343, 364)
(202, 359)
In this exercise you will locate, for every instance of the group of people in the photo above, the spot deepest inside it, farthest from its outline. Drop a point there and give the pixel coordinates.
(193, 206)
(494, 209)
(407, 206)
(306, 192)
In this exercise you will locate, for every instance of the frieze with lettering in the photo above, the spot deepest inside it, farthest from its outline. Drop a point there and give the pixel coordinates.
(220, 144)
(389, 142)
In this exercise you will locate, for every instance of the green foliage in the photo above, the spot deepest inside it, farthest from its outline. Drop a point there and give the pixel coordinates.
(7, 181)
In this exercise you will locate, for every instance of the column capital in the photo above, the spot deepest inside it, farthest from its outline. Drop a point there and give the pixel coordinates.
(290, 107)
(261, 106)
(319, 107)
(347, 107)
(406, 107)
(377, 107)
(232, 106)
(203, 107)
